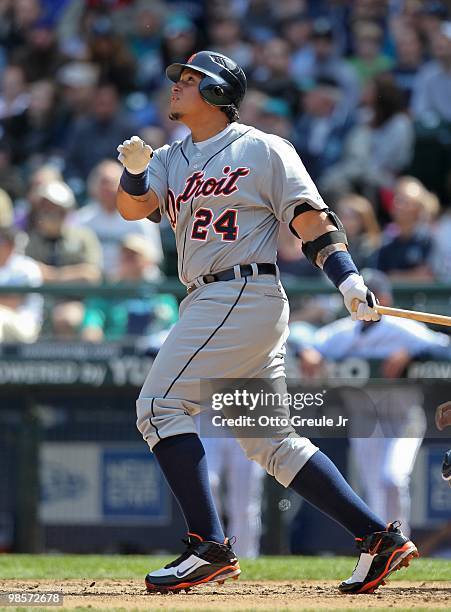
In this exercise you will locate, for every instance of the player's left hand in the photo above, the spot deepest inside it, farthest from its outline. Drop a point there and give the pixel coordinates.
(135, 155)
(355, 292)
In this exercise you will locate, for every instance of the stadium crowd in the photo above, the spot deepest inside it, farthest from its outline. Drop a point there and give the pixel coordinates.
(361, 88)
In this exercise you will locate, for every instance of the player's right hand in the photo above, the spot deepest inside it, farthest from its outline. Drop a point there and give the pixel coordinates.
(358, 299)
(135, 154)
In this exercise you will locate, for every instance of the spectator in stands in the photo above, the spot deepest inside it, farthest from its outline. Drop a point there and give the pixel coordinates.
(10, 176)
(370, 161)
(275, 118)
(20, 315)
(154, 134)
(95, 137)
(431, 16)
(432, 89)
(294, 266)
(441, 247)
(322, 128)
(14, 101)
(273, 76)
(40, 56)
(14, 96)
(226, 37)
(409, 60)
(143, 314)
(16, 18)
(406, 249)
(291, 260)
(260, 20)
(369, 10)
(65, 254)
(368, 60)
(180, 39)
(145, 43)
(240, 500)
(297, 32)
(102, 217)
(328, 64)
(78, 81)
(251, 107)
(6, 209)
(25, 209)
(43, 123)
(108, 51)
(362, 229)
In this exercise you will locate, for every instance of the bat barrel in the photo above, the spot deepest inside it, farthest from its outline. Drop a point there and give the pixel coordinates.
(425, 317)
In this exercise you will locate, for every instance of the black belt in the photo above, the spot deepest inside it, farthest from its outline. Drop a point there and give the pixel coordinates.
(229, 274)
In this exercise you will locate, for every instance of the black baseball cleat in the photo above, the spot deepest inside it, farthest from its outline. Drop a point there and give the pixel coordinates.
(381, 553)
(446, 467)
(202, 562)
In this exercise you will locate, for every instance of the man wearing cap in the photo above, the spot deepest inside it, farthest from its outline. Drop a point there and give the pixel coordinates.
(65, 253)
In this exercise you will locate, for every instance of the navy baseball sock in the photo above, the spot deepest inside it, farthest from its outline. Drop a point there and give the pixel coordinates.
(321, 484)
(184, 464)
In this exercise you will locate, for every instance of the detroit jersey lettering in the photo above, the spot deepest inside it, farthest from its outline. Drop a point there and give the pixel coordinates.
(225, 200)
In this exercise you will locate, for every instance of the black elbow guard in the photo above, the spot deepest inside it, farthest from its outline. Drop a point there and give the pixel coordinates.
(313, 247)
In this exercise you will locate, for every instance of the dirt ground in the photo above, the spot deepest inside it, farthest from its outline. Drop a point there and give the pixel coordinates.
(240, 595)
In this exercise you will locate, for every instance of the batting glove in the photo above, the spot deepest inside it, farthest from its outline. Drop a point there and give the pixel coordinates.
(134, 155)
(356, 293)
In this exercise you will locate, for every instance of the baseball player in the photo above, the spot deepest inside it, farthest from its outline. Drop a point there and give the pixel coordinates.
(243, 480)
(386, 458)
(225, 189)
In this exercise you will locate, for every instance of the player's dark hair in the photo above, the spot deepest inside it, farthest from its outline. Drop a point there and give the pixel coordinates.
(231, 113)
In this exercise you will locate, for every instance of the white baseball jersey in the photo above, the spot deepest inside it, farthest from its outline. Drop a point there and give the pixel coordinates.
(224, 197)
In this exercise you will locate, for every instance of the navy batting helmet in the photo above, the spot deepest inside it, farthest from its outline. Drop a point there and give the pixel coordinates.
(223, 83)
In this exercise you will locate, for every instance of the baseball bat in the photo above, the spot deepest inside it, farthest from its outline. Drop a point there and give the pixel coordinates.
(425, 317)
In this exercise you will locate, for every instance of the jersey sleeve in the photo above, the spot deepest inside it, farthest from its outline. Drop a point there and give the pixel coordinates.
(287, 182)
(158, 177)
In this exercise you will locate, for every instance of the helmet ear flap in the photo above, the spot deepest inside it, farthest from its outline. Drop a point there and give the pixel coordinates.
(217, 94)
